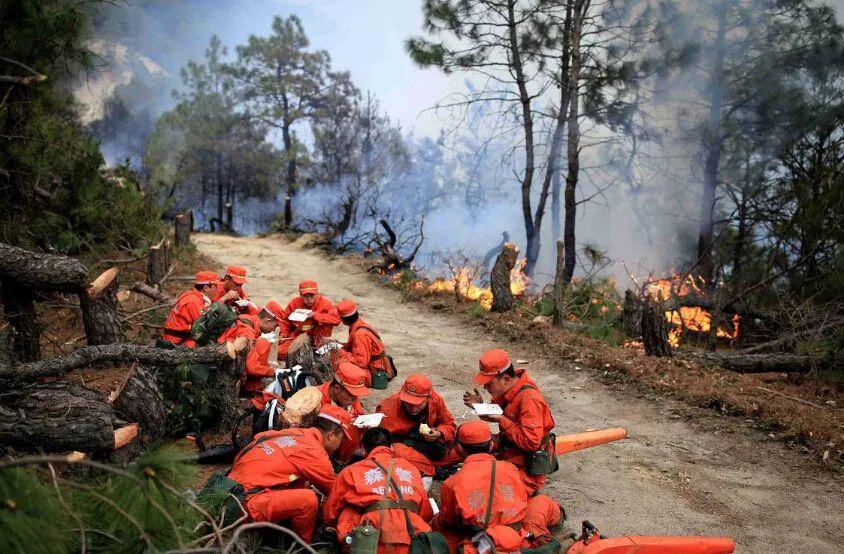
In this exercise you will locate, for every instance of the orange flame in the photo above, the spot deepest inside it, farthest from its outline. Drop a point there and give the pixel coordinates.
(466, 288)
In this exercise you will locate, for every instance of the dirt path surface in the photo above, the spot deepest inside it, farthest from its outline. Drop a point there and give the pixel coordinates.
(676, 474)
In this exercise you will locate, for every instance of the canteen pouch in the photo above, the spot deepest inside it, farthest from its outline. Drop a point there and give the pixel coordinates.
(431, 542)
(380, 380)
(364, 539)
(544, 461)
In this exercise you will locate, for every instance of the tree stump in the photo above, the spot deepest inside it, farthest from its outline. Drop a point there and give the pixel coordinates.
(229, 217)
(99, 310)
(654, 332)
(158, 262)
(499, 278)
(139, 400)
(631, 314)
(56, 417)
(19, 310)
(560, 285)
(184, 225)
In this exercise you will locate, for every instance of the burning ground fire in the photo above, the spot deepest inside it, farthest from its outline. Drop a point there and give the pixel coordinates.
(694, 318)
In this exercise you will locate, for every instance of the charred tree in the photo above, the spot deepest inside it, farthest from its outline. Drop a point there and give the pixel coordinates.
(99, 310)
(631, 314)
(499, 279)
(19, 310)
(654, 331)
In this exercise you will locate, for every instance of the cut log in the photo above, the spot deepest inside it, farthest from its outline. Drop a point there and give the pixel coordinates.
(19, 310)
(152, 292)
(184, 224)
(499, 278)
(140, 400)
(654, 332)
(631, 314)
(301, 409)
(560, 285)
(763, 363)
(56, 417)
(42, 272)
(125, 435)
(113, 354)
(158, 262)
(99, 310)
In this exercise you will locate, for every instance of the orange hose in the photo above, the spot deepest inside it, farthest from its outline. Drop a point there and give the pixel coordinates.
(579, 441)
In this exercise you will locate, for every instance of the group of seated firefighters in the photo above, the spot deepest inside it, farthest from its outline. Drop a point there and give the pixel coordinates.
(279, 470)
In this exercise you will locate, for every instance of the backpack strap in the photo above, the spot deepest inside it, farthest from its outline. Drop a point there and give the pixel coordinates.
(383, 353)
(491, 495)
(391, 505)
(410, 532)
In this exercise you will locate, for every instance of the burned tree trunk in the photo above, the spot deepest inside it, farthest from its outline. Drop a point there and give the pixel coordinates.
(560, 285)
(99, 310)
(631, 314)
(654, 332)
(139, 400)
(56, 417)
(499, 279)
(158, 262)
(184, 223)
(19, 310)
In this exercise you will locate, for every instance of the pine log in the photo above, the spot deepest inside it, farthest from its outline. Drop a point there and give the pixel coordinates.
(158, 262)
(654, 332)
(139, 399)
(19, 310)
(763, 363)
(113, 354)
(499, 279)
(151, 292)
(182, 229)
(631, 314)
(42, 272)
(99, 310)
(56, 417)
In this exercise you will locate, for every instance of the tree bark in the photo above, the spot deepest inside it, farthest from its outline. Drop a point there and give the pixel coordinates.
(42, 272)
(183, 228)
(499, 279)
(19, 310)
(113, 354)
(99, 310)
(140, 401)
(158, 262)
(56, 417)
(559, 285)
(631, 314)
(654, 333)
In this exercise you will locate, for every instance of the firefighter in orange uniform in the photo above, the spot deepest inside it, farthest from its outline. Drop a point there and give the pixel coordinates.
(527, 420)
(366, 492)
(247, 326)
(188, 308)
(350, 383)
(466, 508)
(258, 365)
(276, 468)
(230, 291)
(320, 323)
(364, 347)
(417, 403)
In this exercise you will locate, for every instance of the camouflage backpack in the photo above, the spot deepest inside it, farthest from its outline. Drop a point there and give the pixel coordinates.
(212, 323)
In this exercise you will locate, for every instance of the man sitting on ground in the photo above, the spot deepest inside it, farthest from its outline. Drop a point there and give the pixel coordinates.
(188, 308)
(490, 495)
(364, 347)
(230, 291)
(276, 468)
(350, 383)
(418, 416)
(261, 362)
(383, 490)
(320, 317)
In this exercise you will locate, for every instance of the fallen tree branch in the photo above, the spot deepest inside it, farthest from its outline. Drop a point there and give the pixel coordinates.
(759, 363)
(789, 397)
(151, 292)
(833, 323)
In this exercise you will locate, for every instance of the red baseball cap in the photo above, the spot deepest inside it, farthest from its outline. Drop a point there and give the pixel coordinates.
(415, 390)
(347, 308)
(354, 379)
(491, 363)
(206, 278)
(274, 309)
(308, 287)
(474, 432)
(237, 273)
(337, 415)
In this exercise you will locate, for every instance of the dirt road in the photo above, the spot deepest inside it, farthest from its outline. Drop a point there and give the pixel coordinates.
(676, 474)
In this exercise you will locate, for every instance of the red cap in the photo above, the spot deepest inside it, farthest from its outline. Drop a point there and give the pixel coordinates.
(353, 378)
(237, 273)
(491, 364)
(337, 415)
(274, 309)
(416, 389)
(206, 278)
(308, 287)
(346, 308)
(474, 432)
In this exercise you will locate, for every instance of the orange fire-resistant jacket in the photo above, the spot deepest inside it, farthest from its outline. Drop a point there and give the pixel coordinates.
(290, 460)
(365, 349)
(420, 461)
(464, 495)
(251, 308)
(351, 443)
(363, 483)
(319, 327)
(257, 365)
(188, 308)
(400, 423)
(244, 326)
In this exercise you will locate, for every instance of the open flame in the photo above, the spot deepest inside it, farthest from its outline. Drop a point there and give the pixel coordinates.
(463, 285)
(687, 318)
